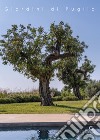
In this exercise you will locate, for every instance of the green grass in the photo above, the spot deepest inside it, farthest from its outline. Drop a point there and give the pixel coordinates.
(35, 108)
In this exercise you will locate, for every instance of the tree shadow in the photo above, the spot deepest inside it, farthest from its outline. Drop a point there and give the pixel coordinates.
(70, 107)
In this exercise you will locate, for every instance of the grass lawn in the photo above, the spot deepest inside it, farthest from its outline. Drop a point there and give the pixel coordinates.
(35, 108)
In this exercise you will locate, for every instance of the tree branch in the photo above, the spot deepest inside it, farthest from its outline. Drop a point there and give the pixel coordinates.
(53, 57)
(82, 72)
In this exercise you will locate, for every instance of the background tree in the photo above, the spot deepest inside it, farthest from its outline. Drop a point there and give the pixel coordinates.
(54, 92)
(37, 54)
(92, 88)
(76, 77)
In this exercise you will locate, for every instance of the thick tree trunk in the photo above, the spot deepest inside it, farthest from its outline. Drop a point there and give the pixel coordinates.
(77, 92)
(44, 92)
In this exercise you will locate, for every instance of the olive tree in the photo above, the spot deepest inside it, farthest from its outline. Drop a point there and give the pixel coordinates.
(74, 75)
(92, 88)
(37, 53)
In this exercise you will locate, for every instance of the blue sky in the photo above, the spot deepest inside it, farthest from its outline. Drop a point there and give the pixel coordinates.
(78, 14)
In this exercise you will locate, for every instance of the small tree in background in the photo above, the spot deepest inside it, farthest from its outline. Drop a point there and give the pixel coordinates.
(75, 77)
(37, 54)
(92, 88)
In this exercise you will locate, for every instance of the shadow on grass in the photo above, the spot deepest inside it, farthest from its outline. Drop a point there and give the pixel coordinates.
(69, 107)
(3, 111)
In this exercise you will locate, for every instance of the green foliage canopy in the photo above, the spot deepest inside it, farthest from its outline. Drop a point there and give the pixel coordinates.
(37, 53)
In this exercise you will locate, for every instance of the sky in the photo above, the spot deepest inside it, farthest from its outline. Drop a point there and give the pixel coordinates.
(82, 15)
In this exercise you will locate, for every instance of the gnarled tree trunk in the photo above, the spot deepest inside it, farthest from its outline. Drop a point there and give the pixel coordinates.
(44, 80)
(77, 92)
(44, 91)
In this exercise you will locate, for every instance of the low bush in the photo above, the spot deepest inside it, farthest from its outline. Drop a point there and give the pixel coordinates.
(7, 100)
(19, 98)
(57, 98)
(70, 98)
(67, 98)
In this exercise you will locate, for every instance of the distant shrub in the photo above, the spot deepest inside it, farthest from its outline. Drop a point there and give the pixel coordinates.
(65, 93)
(7, 101)
(26, 98)
(19, 98)
(57, 98)
(67, 98)
(70, 98)
(3, 95)
(35, 99)
(54, 92)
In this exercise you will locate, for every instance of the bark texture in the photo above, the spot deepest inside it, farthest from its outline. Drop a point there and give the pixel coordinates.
(44, 91)
(77, 92)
